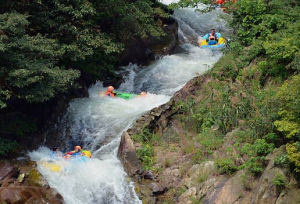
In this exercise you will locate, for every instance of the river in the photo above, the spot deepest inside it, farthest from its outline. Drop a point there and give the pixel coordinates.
(97, 123)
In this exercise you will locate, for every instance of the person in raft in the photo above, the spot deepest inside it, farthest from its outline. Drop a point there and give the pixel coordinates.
(212, 37)
(110, 92)
(76, 152)
(143, 93)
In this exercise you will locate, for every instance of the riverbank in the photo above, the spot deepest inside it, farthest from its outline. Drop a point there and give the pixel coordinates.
(231, 135)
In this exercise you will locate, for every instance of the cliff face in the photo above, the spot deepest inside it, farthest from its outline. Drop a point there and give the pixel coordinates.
(208, 171)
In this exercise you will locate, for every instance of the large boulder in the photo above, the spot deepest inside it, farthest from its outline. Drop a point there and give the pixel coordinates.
(127, 155)
(266, 192)
(7, 171)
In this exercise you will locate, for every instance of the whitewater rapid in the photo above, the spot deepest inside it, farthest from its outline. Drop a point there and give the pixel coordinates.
(96, 123)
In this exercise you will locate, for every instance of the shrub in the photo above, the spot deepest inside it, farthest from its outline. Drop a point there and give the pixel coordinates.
(167, 163)
(293, 151)
(7, 147)
(279, 181)
(257, 152)
(145, 154)
(262, 148)
(259, 148)
(281, 161)
(289, 122)
(272, 138)
(202, 177)
(210, 141)
(289, 97)
(146, 136)
(226, 166)
(254, 165)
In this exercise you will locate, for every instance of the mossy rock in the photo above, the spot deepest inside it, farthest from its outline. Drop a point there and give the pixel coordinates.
(35, 178)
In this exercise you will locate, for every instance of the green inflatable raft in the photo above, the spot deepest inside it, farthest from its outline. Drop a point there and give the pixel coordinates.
(125, 96)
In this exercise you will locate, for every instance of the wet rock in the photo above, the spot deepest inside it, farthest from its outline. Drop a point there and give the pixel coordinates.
(15, 194)
(35, 178)
(127, 155)
(19, 188)
(7, 171)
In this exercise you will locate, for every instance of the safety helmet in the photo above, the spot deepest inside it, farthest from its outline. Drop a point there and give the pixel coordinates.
(110, 88)
(77, 147)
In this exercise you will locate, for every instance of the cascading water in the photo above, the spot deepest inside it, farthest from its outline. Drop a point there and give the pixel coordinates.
(98, 122)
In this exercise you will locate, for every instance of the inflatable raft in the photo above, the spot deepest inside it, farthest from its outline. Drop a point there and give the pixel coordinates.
(55, 165)
(125, 96)
(206, 44)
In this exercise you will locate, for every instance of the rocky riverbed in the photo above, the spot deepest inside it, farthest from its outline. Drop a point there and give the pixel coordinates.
(179, 180)
(21, 182)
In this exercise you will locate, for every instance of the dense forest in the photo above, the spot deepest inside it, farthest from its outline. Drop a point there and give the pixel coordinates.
(47, 46)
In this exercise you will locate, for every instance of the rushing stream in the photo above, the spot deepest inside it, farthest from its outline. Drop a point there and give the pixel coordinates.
(97, 123)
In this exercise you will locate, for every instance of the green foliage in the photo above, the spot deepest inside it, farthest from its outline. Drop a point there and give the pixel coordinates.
(254, 165)
(28, 63)
(279, 181)
(281, 161)
(289, 122)
(203, 145)
(145, 154)
(226, 166)
(289, 97)
(259, 148)
(293, 151)
(210, 141)
(202, 177)
(183, 107)
(256, 153)
(272, 138)
(19, 126)
(146, 137)
(7, 147)
(44, 45)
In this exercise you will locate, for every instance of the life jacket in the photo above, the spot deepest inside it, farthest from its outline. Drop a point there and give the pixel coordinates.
(74, 153)
(214, 36)
(109, 93)
(86, 153)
